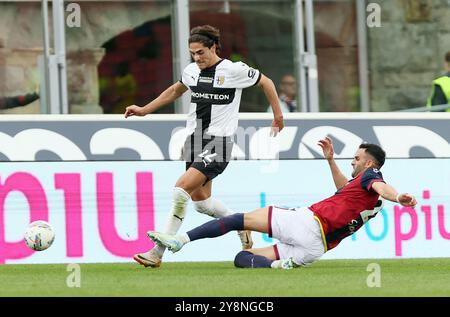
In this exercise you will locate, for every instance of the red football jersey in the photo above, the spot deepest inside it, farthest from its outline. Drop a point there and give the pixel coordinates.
(345, 212)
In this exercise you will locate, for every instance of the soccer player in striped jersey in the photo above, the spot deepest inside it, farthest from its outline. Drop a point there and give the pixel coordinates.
(215, 86)
(305, 234)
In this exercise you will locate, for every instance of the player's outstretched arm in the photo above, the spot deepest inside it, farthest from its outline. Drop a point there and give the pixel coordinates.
(270, 91)
(328, 152)
(388, 192)
(167, 96)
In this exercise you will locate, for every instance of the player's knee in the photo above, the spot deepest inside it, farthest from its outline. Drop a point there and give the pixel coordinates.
(242, 259)
(200, 195)
(204, 207)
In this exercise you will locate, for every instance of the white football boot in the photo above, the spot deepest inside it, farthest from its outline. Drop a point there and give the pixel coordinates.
(148, 259)
(285, 264)
(167, 240)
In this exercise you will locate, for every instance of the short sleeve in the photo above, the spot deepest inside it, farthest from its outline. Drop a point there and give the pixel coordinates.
(189, 75)
(245, 76)
(370, 176)
(184, 78)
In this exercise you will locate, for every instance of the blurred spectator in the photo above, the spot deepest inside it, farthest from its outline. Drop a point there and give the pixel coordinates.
(441, 87)
(125, 87)
(288, 91)
(118, 90)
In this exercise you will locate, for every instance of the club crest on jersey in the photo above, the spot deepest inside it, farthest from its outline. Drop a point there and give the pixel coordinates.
(220, 80)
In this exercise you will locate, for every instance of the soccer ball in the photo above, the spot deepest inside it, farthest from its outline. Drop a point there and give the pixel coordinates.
(39, 235)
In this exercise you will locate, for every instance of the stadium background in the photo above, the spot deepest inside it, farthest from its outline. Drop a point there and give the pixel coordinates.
(103, 182)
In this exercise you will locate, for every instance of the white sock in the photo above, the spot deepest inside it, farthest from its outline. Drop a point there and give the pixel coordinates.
(212, 207)
(184, 238)
(177, 214)
(275, 264)
(219, 208)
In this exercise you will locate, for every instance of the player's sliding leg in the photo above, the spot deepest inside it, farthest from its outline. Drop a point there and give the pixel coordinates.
(262, 258)
(211, 229)
(188, 183)
(255, 258)
(205, 204)
(256, 221)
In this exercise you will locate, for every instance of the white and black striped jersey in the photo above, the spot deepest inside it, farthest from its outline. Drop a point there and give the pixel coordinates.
(216, 95)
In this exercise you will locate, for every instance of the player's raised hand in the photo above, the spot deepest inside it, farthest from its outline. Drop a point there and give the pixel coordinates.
(134, 110)
(327, 148)
(407, 200)
(277, 125)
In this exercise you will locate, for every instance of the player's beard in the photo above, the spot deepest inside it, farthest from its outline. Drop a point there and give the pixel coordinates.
(355, 172)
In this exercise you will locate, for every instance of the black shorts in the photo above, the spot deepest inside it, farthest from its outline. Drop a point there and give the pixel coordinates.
(210, 154)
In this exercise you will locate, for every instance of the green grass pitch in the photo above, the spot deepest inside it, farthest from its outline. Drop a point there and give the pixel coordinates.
(406, 277)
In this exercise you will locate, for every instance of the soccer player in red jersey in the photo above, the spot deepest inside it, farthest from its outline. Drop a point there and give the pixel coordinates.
(305, 234)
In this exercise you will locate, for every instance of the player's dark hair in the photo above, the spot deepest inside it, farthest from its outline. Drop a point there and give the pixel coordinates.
(207, 35)
(447, 57)
(376, 151)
